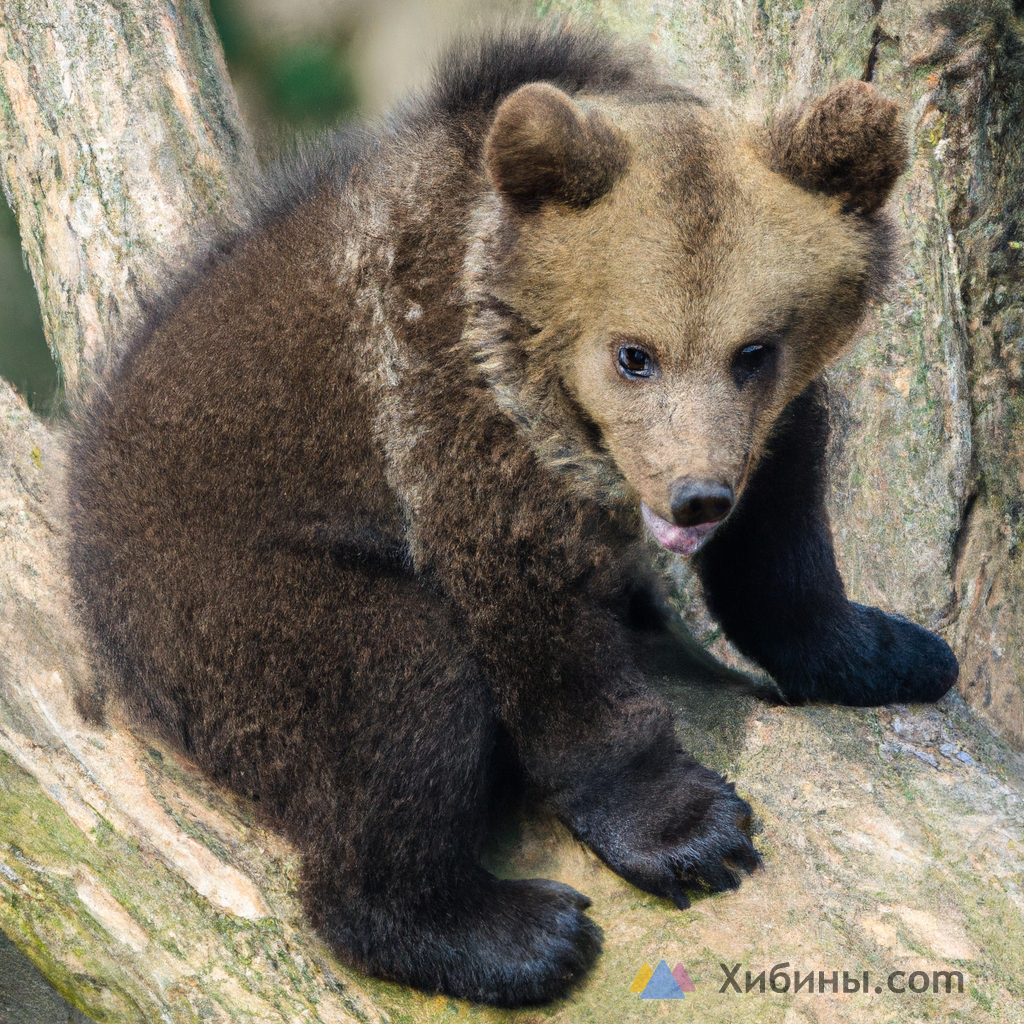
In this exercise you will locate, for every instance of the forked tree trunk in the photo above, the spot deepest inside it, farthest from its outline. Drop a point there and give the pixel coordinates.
(893, 839)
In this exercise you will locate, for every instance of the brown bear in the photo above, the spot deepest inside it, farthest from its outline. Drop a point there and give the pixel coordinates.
(361, 517)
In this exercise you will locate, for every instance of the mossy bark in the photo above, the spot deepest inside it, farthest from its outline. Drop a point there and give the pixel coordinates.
(893, 839)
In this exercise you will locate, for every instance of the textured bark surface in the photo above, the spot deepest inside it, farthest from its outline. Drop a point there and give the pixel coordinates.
(119, 133)
(893, 838)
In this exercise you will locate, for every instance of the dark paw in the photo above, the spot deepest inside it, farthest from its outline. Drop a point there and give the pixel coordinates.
(530, 943)
(504, 942)
(691, 834)
(914, 665)
(864, 658)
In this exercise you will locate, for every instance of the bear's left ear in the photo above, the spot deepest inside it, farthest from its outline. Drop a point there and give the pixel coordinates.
(543, 147)
(849, 143)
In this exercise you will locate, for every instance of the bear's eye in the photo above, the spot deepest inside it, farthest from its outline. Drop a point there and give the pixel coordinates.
(635, 362)
(751, 361)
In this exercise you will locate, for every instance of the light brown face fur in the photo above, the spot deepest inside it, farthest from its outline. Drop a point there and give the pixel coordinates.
(694, 251)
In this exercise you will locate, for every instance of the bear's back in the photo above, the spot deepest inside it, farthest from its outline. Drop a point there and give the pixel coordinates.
(241, 407)
(252, 414)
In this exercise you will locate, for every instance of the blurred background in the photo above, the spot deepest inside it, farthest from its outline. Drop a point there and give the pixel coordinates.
(298, 67)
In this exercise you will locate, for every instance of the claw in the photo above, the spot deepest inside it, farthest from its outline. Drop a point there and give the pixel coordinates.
(749, 859)
(678, 896)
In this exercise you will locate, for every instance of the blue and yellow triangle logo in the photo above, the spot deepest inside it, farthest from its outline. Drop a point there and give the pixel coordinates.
(661, 983)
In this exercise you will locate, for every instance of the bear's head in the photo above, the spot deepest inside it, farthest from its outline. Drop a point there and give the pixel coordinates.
(652, 283)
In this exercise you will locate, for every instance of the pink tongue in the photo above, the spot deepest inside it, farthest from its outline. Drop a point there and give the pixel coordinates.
(683, 540)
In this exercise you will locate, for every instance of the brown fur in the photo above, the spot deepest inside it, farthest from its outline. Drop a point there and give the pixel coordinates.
(358, 511)
(543, 147)
(850, 143)
(693, 264)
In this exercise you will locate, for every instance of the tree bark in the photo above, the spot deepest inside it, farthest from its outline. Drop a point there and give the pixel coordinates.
(893, 838)
(120, 135)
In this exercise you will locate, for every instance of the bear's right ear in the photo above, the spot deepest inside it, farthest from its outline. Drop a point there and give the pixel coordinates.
(543, 147)
(849, 143)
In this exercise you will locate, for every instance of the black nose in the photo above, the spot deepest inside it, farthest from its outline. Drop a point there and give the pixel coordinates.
(695, 502)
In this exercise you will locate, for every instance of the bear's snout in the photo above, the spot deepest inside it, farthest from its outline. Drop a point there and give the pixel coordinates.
(697, 502)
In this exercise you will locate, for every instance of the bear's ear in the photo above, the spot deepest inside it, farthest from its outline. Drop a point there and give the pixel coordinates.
(543, 147)
(849, 143)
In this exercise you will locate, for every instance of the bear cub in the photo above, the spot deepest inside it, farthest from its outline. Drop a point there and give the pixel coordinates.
(365, 507)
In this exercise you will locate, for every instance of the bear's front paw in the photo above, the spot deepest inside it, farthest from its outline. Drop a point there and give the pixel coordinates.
(690, 832)
(866, 659)
(912, 664)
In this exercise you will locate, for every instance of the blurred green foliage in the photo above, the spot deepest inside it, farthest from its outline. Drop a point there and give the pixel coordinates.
(25, 361)
(310, 82)
(296, 83)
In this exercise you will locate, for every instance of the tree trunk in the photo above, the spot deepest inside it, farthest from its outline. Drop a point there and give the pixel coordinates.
(893, 838)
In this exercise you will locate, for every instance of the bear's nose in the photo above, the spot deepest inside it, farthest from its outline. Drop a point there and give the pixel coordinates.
(695, 502)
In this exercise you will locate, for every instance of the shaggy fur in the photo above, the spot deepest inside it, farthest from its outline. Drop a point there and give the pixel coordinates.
(360, 505)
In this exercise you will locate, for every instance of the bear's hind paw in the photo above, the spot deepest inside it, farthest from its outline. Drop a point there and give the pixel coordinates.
(535, 948)
(506, 942)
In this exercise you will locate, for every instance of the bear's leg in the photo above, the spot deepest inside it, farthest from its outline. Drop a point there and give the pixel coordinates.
(770, 578)
(394, 781)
